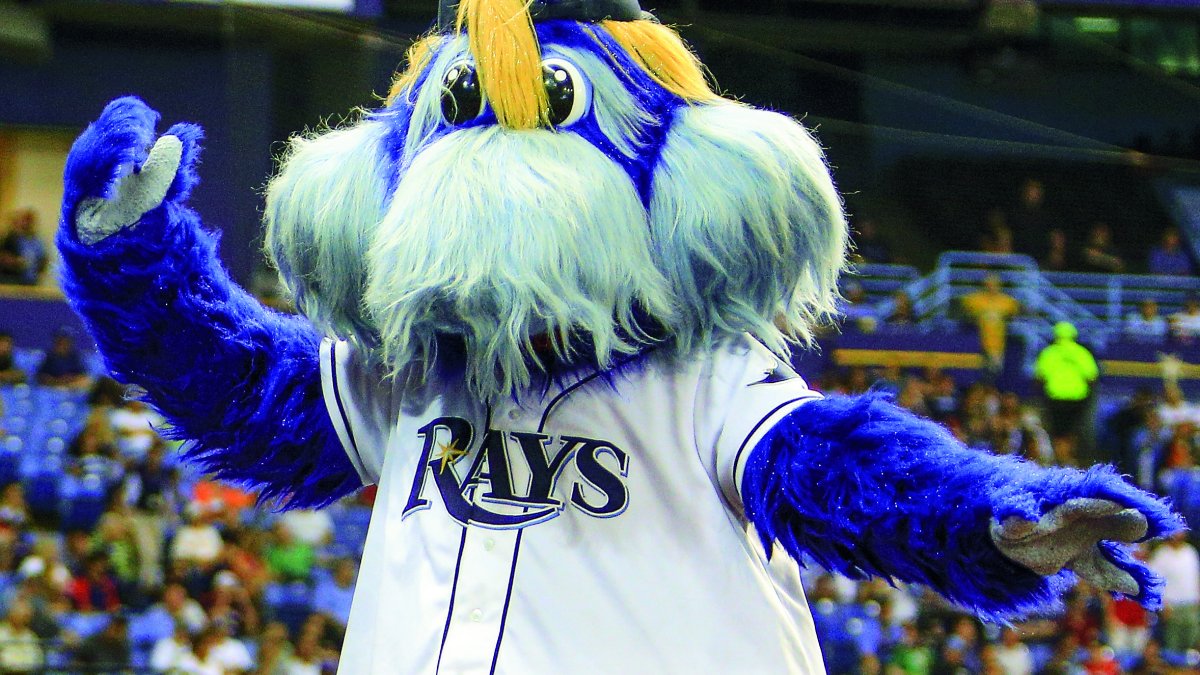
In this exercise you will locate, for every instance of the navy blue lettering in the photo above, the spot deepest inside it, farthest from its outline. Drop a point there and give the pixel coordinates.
(587, 460)
(461, 436)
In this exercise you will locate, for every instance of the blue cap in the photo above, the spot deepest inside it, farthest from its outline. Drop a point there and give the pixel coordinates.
(576, 10)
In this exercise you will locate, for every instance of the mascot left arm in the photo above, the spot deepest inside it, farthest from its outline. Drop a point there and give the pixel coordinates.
(865, 488)
(241, 382)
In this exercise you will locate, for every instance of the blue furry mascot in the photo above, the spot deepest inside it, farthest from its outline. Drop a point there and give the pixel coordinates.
(546, 297)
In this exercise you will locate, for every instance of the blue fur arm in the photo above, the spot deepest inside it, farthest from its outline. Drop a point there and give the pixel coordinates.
(239, 381)
(867, 489)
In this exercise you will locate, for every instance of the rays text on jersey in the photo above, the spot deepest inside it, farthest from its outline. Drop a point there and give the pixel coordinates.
(514, 479)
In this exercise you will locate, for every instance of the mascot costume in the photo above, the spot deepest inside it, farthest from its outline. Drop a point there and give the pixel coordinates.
(546, 294)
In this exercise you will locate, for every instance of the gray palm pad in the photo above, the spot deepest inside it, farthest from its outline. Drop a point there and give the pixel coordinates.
(135, 194)
(1066, 537)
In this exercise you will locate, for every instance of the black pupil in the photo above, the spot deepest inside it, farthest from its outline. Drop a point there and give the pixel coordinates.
(560, 88)
(462, 100)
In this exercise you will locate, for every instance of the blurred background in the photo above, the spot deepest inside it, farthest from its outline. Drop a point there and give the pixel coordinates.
(1008, 166)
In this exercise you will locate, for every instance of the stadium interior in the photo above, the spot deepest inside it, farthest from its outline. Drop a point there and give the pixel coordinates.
(1007, 166)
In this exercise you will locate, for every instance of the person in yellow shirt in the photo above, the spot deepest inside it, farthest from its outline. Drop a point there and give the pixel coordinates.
(1067, 371)
(991, 308)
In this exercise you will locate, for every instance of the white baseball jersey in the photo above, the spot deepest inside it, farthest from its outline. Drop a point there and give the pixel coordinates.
(593, 527)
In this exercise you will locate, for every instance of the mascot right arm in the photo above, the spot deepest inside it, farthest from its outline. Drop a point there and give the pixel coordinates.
(241, 382)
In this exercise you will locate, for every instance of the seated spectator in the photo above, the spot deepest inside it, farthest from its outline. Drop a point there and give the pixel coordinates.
(1174, 409)
(134, 424)
(107, 650)
(197, 546)
(94, 589)
(941, 394)
(998, 236)
(181, 609)
(9, 372)
(1146, 324)
(274, 650)
(1169, 257)
(1099, 255)
(22, 254)
(332, 598)
(312, 527)
(63, 365)
(14, 514)
(1030, 218)
(20, 650)
(228, 652)
(1185, 325)
(173, 653)
(902, 310)
(115, 538)
(854, 307)
(868, 244)
(1178, 563)
(232, 605)
(93, 459)
(204, 647)
(1014, 656)
(1180, 449)
(243, 557)
(1057, 256)
(289, 559)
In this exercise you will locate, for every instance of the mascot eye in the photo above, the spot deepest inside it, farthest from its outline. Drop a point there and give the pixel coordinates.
(462, 99)
(567, 90)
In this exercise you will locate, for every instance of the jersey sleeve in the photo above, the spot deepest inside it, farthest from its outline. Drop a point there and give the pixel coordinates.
(743, 396)
(360, 404)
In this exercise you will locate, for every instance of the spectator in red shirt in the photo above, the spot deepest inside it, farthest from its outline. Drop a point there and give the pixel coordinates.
(94, 590)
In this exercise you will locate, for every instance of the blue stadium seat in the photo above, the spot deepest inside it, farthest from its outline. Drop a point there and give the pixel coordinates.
(83, 502)
(149, 627)
(42, 487)
(84, 624)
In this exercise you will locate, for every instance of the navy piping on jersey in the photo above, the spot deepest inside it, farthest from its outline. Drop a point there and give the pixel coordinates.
(742, 448)
(337, 396)
(566, 392)
(462, 544)
(512, 577)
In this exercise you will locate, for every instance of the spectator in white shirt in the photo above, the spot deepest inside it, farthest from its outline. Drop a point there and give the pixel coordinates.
(228, 652)
(1146, 324)
(314, 528)
(1013, 655)
(198, 544)
(173, 653)
(134, 423)
(1178, 563)
(20, 651)
(1175, 410)
(1186, 324)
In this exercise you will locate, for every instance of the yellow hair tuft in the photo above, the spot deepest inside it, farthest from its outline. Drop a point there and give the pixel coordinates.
(417, 58)
(664, 55)
(508, 59)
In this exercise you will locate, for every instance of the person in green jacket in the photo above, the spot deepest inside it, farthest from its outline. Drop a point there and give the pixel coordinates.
(1067, 371)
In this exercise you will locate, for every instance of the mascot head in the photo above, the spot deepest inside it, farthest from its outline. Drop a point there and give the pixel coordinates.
(555, 174)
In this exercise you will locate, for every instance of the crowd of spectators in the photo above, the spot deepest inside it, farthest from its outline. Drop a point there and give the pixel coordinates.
(174, 573)
(1030, 227)
(870, 627)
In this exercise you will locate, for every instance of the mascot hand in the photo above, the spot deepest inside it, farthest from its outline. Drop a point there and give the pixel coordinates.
(1078, 536)
(115, 175)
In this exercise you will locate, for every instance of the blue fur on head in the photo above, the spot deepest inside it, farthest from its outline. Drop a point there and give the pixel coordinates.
(867, 489)
(708, 219)
(240, 382)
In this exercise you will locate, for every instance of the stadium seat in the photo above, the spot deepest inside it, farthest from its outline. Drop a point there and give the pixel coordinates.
(84, 624)
(149, 627)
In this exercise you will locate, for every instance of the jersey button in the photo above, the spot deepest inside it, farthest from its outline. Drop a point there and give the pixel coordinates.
(514, 414)
(489, 544)
(476, 615)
